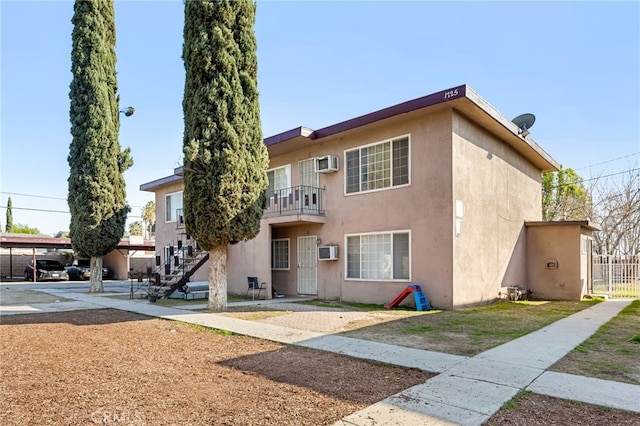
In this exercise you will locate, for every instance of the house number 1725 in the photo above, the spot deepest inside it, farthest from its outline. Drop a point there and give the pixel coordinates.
(451, 93)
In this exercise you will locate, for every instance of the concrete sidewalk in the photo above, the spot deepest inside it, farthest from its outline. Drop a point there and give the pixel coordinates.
(471, 391)
(467, 391)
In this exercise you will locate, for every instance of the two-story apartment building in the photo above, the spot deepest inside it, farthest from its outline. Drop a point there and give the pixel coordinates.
(434, 191)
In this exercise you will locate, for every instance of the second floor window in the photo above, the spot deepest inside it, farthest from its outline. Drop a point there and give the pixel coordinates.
(378, 166)
(279, 178)
(173, 203)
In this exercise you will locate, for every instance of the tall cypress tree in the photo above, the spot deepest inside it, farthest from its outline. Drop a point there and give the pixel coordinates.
(96, 183)
(9, 224)
(225, 159)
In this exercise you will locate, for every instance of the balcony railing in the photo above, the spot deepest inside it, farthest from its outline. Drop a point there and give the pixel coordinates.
(300, 199)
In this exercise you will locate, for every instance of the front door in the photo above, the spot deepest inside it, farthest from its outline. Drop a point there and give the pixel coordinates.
(307, 265)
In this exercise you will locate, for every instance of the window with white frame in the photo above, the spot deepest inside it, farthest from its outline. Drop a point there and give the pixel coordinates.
(173, 203)
(279, 179)
(280, 253)
(379, 257)
(377, 166)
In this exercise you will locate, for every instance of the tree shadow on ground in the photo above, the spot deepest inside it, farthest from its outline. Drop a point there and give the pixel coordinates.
(348, 378)
(82, 317)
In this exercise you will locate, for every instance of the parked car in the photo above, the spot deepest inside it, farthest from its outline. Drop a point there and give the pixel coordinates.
(46, 270)
(80, 269)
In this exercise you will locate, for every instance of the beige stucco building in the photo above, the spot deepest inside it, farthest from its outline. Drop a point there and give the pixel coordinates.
(434, 191)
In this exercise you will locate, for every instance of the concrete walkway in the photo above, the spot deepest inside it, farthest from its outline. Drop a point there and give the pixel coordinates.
(471, 391)
(467, 391)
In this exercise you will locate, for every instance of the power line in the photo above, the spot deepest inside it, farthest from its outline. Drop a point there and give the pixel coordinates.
(49, 198)
(55, 211)
(608, 161)
(36, 210)
(595, 178)
(34, 196)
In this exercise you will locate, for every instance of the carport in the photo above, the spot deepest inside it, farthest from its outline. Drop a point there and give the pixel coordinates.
(118, 260)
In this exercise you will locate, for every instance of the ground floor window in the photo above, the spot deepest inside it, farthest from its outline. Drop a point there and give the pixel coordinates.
(280, 253)
(379, 256)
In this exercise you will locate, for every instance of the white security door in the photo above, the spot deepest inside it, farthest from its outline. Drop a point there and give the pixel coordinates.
(307, 265)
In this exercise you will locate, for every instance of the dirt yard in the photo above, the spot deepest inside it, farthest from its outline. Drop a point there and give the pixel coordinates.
(118, 368)
(113, 367)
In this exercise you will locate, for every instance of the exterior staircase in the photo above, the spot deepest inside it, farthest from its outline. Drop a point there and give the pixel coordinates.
(174, 267)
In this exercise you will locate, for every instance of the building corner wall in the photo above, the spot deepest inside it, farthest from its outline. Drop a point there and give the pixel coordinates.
(554, 262)
(250, 258)
(495, 190)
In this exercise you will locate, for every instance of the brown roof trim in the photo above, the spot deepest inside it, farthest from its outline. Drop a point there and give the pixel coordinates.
(363, 120)
(403, 108)
(304, 132)
(153, 185)
(544, 160)
(583, 223)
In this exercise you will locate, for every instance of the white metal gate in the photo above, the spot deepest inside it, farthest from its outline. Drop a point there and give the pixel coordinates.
(307, 266)
(616, 276)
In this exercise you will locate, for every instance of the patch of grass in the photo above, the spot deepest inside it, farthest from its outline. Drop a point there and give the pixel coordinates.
(365, 307)
(515, 402)
(323, 304)
(609, 353)
(510, 405)
(250, 313)
(597, 298)
(207, 329)
(625, 351)
(581, 348)
(469, 331)
(179, 302)
(231, 298)
(635, 339)
(609, 366)
(418, 329)
(629, 292)
(262, 315)
(498, 332)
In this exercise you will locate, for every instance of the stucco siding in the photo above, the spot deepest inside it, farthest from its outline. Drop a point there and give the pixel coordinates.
(166, 232)
(423, 208)
(496, 190)
(559, 244)
(249, 259)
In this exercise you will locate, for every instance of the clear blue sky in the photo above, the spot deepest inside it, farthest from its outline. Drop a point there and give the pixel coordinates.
(575, 65)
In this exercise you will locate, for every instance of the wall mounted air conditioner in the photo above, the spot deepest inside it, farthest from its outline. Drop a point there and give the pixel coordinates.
(327, 164)
(328, 253)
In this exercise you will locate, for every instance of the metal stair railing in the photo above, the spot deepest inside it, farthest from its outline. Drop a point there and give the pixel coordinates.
(174, 266)
(185, 278)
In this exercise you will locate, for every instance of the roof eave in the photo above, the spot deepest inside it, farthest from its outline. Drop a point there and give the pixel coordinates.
(521, 143)
(159, 183)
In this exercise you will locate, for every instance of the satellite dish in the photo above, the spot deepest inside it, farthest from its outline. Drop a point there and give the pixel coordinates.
(524, 123)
